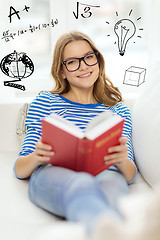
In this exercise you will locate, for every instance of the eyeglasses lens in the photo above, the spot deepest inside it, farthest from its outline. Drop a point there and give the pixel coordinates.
(74, 63)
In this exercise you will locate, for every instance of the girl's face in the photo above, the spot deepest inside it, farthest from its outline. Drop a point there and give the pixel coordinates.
(85, 76)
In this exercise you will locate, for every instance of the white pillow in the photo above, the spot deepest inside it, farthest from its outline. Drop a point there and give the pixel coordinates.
(146, 128)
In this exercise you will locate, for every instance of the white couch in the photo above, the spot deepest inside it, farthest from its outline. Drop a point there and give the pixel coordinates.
(19, 218)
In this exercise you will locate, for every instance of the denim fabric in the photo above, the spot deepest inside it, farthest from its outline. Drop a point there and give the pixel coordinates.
(77, 196)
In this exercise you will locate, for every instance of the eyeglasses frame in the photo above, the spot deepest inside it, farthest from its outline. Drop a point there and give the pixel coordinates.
(81, 59)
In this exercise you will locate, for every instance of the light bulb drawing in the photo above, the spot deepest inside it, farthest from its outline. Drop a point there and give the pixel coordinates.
(125, 30)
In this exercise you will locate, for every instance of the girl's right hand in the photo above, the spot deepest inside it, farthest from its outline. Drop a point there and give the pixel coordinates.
(25, 165)
(43, 152)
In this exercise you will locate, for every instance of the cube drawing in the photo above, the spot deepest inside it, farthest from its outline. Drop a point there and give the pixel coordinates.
(134, 76)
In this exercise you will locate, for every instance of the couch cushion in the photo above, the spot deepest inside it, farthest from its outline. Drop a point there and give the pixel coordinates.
(146, 128)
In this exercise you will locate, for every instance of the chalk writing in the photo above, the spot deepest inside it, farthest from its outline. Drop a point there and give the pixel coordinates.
(26, 8)
(86, 10)
(13, 11)
(7, 35)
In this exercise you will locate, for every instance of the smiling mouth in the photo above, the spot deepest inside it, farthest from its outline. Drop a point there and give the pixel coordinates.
(85, 75)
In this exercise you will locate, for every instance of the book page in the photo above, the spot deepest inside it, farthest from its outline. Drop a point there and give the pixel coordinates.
(102, 123)
(64, 124)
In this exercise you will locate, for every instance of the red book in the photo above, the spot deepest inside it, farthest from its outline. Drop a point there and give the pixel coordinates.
(82, 151)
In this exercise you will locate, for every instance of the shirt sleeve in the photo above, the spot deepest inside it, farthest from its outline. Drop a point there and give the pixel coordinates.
(127, 132)
(39, 108)
(124, 112)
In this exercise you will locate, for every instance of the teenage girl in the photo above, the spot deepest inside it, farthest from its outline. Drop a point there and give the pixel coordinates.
(81, 92)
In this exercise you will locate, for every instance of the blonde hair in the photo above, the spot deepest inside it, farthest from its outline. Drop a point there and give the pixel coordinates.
(103, 90)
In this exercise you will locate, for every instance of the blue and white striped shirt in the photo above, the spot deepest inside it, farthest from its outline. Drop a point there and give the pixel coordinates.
(80, 114)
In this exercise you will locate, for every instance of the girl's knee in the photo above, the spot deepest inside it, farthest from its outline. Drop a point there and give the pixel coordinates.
(82, 183)
(80, 180)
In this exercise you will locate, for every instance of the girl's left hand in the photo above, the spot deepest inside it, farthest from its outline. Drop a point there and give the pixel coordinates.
(118, 154)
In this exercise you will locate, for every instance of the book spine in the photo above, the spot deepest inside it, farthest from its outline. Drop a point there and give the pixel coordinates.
(84, 155)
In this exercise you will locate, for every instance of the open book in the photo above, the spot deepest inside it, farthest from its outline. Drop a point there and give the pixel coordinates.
(78, 150)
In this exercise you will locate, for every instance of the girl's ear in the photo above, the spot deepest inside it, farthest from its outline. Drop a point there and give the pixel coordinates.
(63, 74)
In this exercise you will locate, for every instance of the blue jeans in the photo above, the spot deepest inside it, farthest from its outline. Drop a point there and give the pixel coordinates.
(77, 196)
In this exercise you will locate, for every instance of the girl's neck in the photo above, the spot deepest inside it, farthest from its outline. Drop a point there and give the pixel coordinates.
(84, 97)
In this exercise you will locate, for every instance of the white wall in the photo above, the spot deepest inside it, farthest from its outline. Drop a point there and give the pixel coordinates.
(154, 32)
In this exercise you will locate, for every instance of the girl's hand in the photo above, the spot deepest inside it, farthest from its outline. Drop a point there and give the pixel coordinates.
(43, 152)
(118, 154)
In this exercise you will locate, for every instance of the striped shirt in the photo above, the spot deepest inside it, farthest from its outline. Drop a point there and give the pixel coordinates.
(80, 114)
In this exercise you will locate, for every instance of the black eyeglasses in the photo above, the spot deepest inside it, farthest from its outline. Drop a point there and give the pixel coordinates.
(73, 64)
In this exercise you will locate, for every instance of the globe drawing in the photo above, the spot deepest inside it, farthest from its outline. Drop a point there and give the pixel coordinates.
(17, 65)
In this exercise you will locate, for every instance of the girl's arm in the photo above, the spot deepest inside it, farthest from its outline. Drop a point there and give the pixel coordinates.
(122, 155)
(25, 165)
(34, 153)
(119, 156)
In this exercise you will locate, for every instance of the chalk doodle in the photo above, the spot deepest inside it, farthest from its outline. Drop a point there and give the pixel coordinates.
(86, 10)
(13, 11)
(7, 35)
(124, 29)
(18, 66)
(134, 76)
